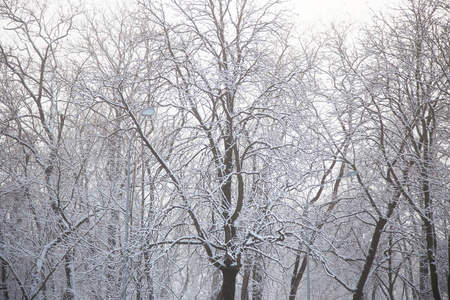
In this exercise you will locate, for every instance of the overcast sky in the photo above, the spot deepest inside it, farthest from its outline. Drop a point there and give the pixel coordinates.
(316, 12)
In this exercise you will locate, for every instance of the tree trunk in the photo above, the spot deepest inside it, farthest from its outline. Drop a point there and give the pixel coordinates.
(430, 236)
(391, 271)
(149, 278)
(245, 280)
(369, 258)
(69, 294)
(298, 275)
(374, 291)
(423, 275)
(448, 270)
(229, 273)
(430, 241)
(3, 285)
(257, 290)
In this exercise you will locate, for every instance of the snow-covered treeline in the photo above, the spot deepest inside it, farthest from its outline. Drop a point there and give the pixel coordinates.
(273, 161)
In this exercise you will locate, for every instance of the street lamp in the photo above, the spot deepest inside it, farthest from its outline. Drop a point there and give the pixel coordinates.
(146, 112)
(308, 280)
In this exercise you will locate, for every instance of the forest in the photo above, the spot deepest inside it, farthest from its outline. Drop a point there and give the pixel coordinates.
(213, 149)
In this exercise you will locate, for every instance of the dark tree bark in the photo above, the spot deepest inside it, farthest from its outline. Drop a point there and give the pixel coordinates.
(431, 257)
(426, 141)
(3, 284)
(229, 273)
(297, 277)
(68, 267)
(448, 271)
(369, 258)
(245, 280)
(257, 291)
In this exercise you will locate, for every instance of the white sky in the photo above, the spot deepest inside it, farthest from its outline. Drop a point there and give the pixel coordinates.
(319, 12)
(313, 13)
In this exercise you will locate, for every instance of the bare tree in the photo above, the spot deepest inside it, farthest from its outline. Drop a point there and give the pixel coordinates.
(37, 178)
(399, 99)
(224, 84)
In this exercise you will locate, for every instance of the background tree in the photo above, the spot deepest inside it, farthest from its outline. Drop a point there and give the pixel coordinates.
(42, 202)
(398, 80)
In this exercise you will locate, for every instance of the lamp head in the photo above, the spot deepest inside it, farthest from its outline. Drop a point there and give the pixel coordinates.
(148, 111)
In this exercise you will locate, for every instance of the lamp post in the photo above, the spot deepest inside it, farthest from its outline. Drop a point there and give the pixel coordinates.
(308, 282)
(146, 112)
